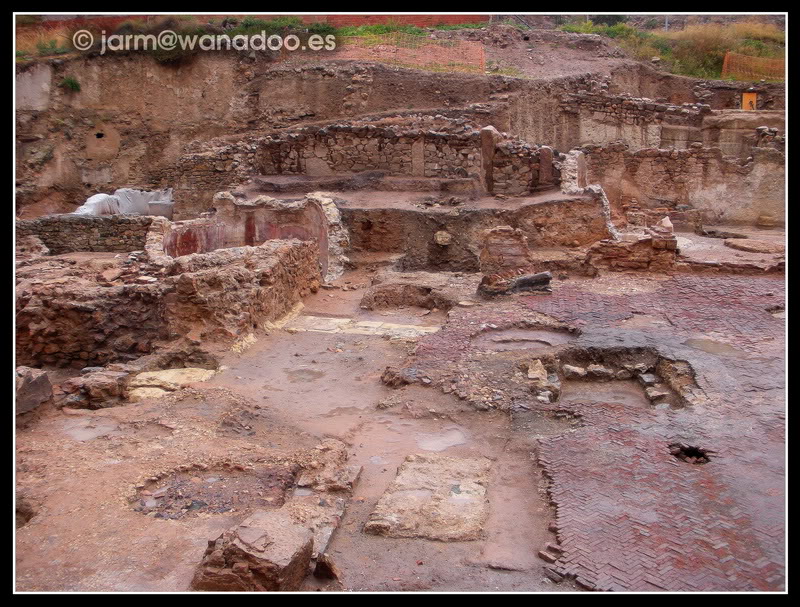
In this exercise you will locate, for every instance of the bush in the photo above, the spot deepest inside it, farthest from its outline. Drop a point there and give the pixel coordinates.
(382, 28)
(321, 29)
(69, 83)
(609, 19)
(698, 50)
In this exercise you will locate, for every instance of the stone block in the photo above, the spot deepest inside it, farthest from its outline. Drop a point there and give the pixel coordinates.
(267, 552)
(32, 389)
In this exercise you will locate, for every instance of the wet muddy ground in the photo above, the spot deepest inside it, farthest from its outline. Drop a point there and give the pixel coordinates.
(91, 529)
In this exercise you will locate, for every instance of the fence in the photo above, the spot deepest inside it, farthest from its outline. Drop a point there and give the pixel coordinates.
(408, 50)
(744, 67)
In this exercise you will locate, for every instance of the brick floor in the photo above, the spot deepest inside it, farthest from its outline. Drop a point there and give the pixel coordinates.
(630, 516)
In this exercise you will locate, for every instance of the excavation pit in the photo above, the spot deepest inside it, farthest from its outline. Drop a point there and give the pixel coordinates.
(624, 392)
(216, 491)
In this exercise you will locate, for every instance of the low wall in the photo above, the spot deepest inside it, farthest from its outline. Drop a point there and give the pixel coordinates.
(220, 296)
(509, 166)
(70, 233)
(227, 294)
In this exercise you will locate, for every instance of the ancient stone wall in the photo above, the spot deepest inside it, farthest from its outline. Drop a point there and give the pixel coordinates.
(227, 294)
(73, 144)
(109, 134)
(655, 250)
(345, 148)
(570, 221)
(642, 80)
(71, 233)
(603, 117)
(83, 325)
(725, 190)
(220, 296)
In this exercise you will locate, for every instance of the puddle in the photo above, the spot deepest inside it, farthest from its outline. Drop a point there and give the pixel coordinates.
(303, 375)
(86, 429)
(444, 440)
(522, 339)
(624, 392)
(714, 347)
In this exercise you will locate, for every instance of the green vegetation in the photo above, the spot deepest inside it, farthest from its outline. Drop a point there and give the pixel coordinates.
(382, 28)
(460, 26)
(697, 50)
(609, 19)
(51, 47)
(69, 83)
(250, 26)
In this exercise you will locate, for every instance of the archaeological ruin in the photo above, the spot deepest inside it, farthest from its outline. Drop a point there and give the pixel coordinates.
(346, 321)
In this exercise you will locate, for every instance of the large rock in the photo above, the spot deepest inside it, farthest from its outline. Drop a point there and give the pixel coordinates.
(33, 389)
(267, 551)
(97, 390)
(153, 384)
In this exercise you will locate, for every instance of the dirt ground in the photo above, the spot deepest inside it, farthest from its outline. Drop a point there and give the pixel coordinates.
(511, 51)
(78, 470)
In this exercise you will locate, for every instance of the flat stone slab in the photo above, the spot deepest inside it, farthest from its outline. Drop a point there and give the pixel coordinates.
(155, 384)
(752, 245)
(319, 324)
(434, 497)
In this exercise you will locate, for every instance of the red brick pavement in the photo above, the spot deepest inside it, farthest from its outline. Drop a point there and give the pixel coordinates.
(630, 516)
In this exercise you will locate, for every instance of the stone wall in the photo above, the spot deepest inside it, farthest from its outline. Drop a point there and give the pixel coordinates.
(71, 233)
(655, 250)
(643, 80)
(230, 293)
(86, 325)
(346, 148)
(221, 296)
(109, 135)
(640, 122)
(725, 190)
(569, 220)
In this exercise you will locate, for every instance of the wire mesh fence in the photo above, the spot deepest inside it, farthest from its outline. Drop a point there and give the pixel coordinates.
(408, 50)
(744, 67)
